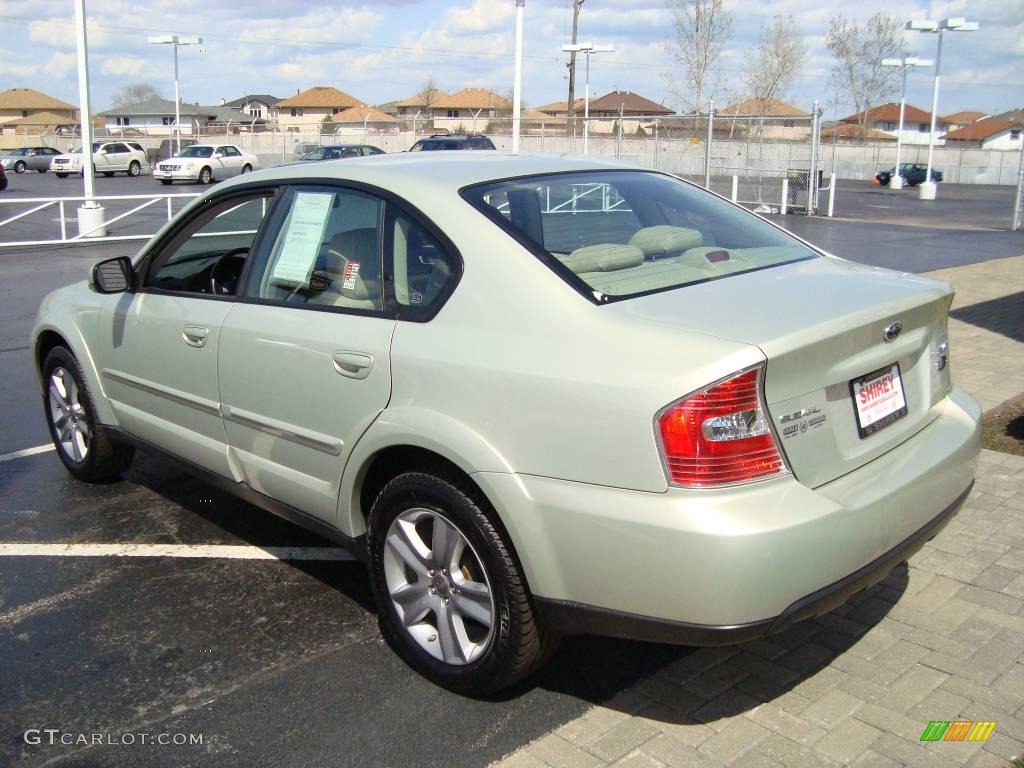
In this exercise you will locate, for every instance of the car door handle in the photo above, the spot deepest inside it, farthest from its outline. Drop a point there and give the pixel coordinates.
(195, 335)
(355, 365)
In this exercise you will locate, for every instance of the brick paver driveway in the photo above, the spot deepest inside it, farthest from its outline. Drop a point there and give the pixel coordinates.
(942, 638)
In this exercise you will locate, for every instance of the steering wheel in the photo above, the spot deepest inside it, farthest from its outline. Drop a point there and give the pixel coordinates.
(226, 271)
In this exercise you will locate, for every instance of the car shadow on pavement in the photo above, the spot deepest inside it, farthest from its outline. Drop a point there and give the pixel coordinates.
(1002, 315)
(701, 685)
(686, 684)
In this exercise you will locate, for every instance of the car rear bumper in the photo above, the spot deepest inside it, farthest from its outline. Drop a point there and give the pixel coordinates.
(724, 566)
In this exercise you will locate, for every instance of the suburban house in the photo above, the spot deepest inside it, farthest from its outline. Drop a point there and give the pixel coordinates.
(626, 103)
(156, 117)
(420, 103)
(307, 109)
(17, 103)
(916, 122)
(847, 133)
(259, 106)
(959, 120)
(40, 123)
(561, 108)
(991, 133)
(469, 109)
(781, 120)
(362, 118)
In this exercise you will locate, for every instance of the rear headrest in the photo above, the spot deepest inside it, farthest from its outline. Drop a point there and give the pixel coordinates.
(354, 257)
(664, 240)
(605, 257)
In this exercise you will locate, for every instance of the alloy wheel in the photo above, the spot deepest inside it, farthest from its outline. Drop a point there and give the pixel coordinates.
(68, 415)
(438, 586)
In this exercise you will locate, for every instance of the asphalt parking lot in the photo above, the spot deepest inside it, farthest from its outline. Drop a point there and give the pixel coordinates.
(272, 654)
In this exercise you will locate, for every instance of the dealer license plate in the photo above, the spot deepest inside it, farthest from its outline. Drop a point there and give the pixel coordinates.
(878, 399)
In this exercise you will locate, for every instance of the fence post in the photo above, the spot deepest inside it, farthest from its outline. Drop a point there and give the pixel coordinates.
(812, 176)
(1018, 214)
(785, 195)
(707, 144)
(735, 188)
(831, 194)
(656, 144)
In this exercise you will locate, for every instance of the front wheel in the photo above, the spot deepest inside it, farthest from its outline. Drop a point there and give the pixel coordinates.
(451, 598)
(205, 176)
(165, 182)
(19, 167)
(134, 168)
(61, 175)
(82, 442)
(247, 168)
(43, 170)
(108, 174)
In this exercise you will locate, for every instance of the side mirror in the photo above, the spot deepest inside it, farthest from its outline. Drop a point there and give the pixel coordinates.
(113, 275)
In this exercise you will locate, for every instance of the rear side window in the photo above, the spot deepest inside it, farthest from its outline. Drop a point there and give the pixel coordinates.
(617, 234)
(423, 270)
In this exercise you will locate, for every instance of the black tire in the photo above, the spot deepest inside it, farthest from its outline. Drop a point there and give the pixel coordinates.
(518, 644)
(165, 181)
(247, 168)
(19, 167)
(205, 175)
(134, 168)
(3, 183)
(43, 170)
(61, 175)
(108, 174)
(104, 459)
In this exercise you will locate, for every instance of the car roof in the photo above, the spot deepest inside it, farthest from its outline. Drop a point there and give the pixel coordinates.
(432, 171)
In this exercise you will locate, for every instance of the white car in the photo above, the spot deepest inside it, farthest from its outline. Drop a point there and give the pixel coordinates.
(108, 158)
(204, 163)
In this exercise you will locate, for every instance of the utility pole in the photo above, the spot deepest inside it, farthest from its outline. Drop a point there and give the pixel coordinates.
(576, 5)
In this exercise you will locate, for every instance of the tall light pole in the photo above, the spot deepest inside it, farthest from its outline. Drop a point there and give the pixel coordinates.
(907, 62)
(176, 40)
(90, 214)
(517, 80)
(587, 48)
(928, 187)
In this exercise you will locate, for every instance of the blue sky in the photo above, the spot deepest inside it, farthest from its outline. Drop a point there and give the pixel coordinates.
(386, 49)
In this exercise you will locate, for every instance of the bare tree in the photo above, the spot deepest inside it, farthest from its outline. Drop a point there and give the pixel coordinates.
(777, 61)
(428, 92)
(701, 28)
(858, 51)
(133, 93)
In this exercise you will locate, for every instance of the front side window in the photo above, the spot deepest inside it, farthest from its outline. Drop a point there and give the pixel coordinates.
(616, 234)
(207, 256)
(326, 252)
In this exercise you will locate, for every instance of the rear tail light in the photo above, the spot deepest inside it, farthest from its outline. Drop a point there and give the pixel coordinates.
(720, 435)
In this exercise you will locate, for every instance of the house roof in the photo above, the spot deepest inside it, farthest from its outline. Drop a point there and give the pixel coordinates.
(42, 118)
(982, 129)
(417, 100)
(964, 117)
(629, 101)
(560, 106)
(27, 98)
(322, 96)
(852, 131)
(165, 108)
(360, 114)
(243, 100)
(891, 113)
(765, 107)
(472, 98)
(1013, 115)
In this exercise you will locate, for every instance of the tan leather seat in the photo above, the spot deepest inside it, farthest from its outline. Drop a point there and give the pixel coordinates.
(358, 248)
(605, 257)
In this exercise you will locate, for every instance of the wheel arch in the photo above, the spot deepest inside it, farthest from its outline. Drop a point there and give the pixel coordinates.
(47, 337)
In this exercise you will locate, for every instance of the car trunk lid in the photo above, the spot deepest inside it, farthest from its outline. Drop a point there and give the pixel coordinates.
(822, 324)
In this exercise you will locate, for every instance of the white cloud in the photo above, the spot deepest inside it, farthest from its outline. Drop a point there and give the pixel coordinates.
(60, 65)
(131, 66)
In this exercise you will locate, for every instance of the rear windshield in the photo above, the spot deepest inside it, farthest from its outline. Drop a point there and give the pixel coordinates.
(617, 234)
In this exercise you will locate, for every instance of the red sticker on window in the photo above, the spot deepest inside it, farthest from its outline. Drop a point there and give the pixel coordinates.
(348, 278)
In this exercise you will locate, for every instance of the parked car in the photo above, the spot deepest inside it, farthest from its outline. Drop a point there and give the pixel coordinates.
(304, 148)
(439, 142)
(660, 418)
(3, 179)
(108, 158)
(912, 174)
(28, 159)
(337, 151)
(167, 149)
(204, 163)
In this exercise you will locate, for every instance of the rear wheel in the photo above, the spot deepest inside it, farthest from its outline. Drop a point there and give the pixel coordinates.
(452, 600)
(108, 174)
(134, 168)
(82, 443)
(43, 170)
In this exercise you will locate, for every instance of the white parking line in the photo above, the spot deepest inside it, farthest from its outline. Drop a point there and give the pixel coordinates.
(26, 452)
(228, 551)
